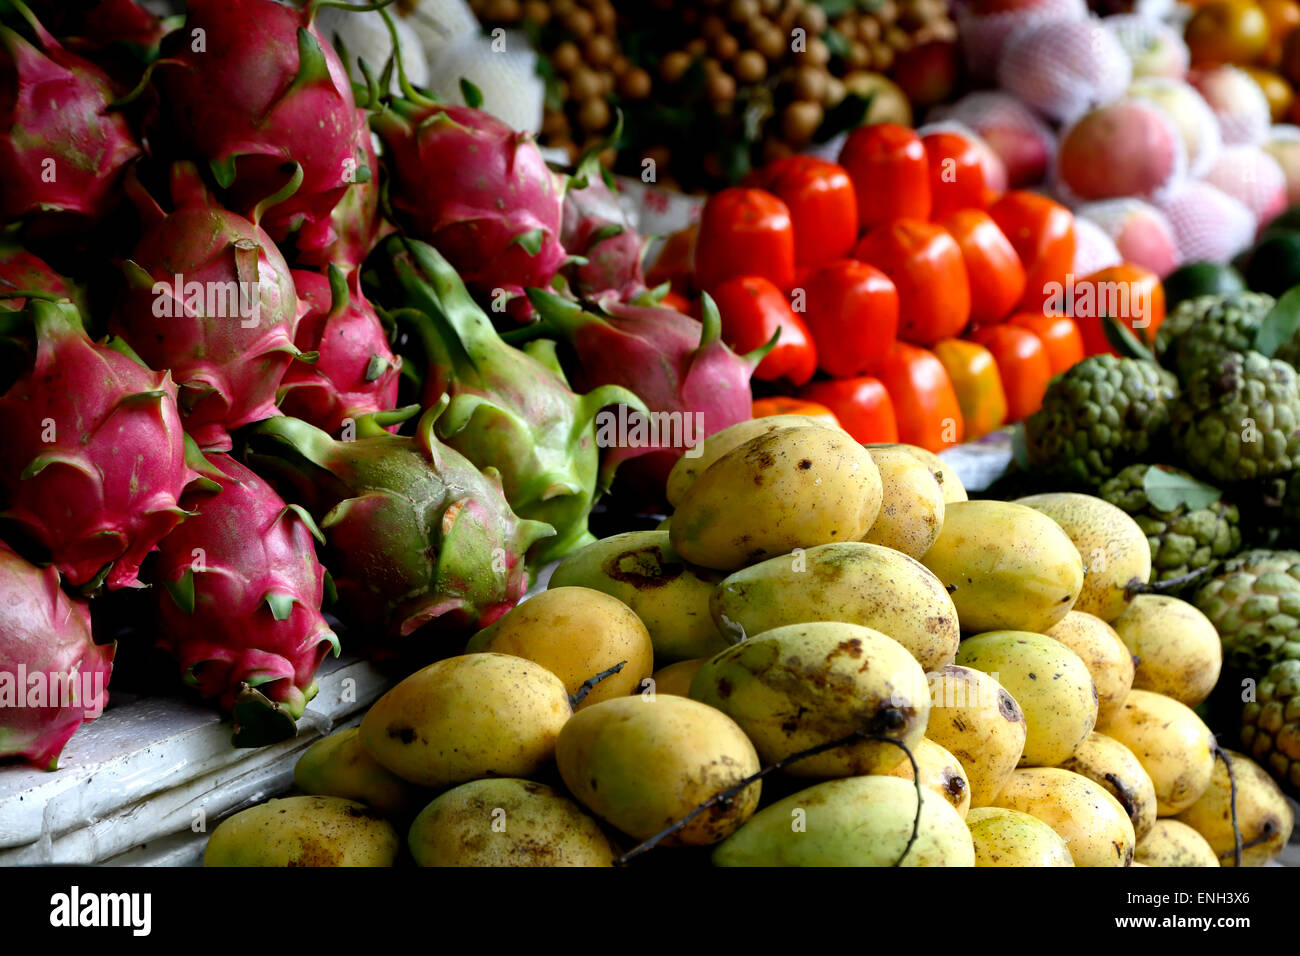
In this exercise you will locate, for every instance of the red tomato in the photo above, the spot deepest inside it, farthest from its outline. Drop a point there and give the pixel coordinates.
(1022, 363)
(925, 403)
(673, 300)
(1042, 233)
(851, 309)
(744, 232)
(752, 310)
(822, 202)
(926, 265)
(956, 173)
(997, 279)
(861, 404)
(785, 405)
(890, 173)
(1058, 333)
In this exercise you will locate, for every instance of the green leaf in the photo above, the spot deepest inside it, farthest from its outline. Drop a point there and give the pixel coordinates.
(472, 94)
(1281, 324)
(1168, 491)
(1123, 341)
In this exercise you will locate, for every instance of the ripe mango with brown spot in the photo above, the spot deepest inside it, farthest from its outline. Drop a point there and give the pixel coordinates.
(1005, 837)
(974, 718)
(791, 488)
(1177, 647)
(941, 772)
(1105, 655)
(1173, 844)
(340, 766)
(911, 507)
(1264, 815)
(1110, 764)
(1173, 745)
(949, 481)
(854, 583)
(304, 831)
(1091, 822)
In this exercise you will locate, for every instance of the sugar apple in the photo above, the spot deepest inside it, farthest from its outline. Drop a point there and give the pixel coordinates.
(1097, 417)
(1183, 539)
(1254, 602)
(1201, 330)
(1270, 725)
(1239, 419)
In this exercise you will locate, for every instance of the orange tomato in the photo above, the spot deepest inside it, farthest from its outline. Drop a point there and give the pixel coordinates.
(926, 266)
(1042, 233)
(744, 232)
(788, 405)
(861, 404)
(997, 278)
(672, 300)
(752, 310)
(822, 202)
(851, 310)
(1022, 363)
(1060, 337)
(1127, 292)
(956, 173)
(1227, 31)
(675, 262)
(925, 404)
(890, 173)
(978, 384)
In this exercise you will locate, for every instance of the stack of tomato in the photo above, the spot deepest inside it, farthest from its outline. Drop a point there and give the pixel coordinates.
(912, 300)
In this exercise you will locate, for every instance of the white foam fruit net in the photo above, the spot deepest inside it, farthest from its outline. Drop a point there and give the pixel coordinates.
(1063, 67)
(1253, 177)
(507, 78)
(983, 35)
(1191, 115)
(1237, 101)
(1140, 34)
(1208, 224)
(1093, 249)
(1140, 231)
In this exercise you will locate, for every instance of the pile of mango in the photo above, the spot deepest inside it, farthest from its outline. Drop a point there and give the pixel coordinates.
(937, 681)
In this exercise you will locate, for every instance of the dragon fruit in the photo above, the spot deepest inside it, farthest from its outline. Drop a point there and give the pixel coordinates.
(212, 299)
(510, 410)
(240, 602)
(355, 372)
(21, 271)
(53, 676)
(478, 191)
(678, 366)
(95, 24)
(596, 228)
(261, 93)
(94, 460)
(62, 152)
(418, 537)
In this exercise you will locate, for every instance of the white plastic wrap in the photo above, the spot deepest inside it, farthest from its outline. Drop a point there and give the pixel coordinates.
(504, 70)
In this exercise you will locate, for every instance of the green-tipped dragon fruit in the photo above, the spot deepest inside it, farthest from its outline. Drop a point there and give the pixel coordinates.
(510, 410)
(419, 539)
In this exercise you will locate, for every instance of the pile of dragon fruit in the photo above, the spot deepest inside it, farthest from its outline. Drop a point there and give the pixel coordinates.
(250, 363)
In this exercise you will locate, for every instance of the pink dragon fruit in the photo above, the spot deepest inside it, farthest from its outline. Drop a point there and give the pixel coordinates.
(596, 228)
(240, 602)
(212, 299)
(355, 371)
(62, 151)
(21, 271)
(94, 456)
(478, 191)
(53, 676)
(265, 92)
(94, 24)
(419, 539)
(510, 410)
(677, 366)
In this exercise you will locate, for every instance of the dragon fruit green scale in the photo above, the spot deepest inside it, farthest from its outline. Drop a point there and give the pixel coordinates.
(511, 410)
(419, 539)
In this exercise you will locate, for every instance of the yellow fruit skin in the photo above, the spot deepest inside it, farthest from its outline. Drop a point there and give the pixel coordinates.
(575, 633)
(853, 582)
(856, 821)
(642, 570)
(340, 766)
(1264, 815)
(1005, 837)
(466, 717)
(1178, 650)
(975, 719)
(304, 831)
(643, 763)
(911, 509)
(1173, 745)
(791, 488)
(953, 489)
(798, 686)
(507, 822)
(941, 772)
(1094, 826)
(1103, 652)
(689, 468)
(676, 678)
(1049, 682)
(1113, 547)
(1007, 566)
(1171, 843)
(1111, 765)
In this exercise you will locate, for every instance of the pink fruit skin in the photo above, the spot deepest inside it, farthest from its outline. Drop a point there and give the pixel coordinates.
(1129, 148)
(474, 188)
(244, 100)
(231, 365)
(1141, 232)
(1253, 177)
(244, 544)
(352, 346)
(613, 262)
(45, 632)
(61, 150)
(1237, 101)
(20, 270)
(115, 467)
